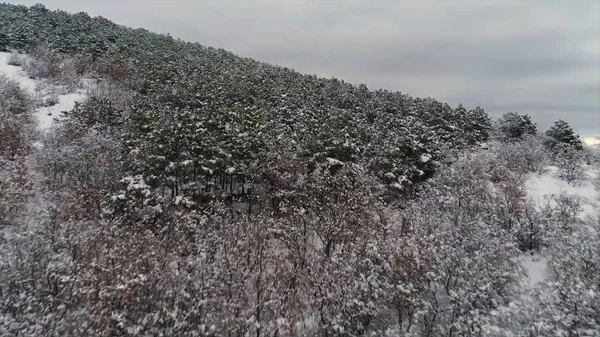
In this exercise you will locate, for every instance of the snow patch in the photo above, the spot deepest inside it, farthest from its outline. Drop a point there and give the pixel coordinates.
(46, 116)
(16, 74)
(539, 186)
(535, 267)
(390, 175)
(333, 162)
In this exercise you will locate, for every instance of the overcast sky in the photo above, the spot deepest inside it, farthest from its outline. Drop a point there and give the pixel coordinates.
(540, 57)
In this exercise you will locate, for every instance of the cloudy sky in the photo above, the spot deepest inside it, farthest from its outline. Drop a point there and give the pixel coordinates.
(540, 57)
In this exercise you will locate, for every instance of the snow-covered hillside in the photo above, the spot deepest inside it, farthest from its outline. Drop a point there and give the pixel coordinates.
(488, 248)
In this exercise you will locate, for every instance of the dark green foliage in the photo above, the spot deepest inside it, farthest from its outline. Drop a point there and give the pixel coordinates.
(478, 126)
(218, 112)
(514, 126)
(96, 111)
(3, 42)
(562, 133)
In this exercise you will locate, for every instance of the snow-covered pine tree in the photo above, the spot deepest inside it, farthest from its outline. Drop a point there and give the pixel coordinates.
(513, 126)
(562, 133)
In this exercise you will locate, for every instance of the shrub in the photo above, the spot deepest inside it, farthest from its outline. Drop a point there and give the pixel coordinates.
(13, 99)
(118, 71)
(13, 136)
(57, 68)
(104, 106)
(14, 107)
(50, 100)
(524, 156)
(43, 64)
(15, 59)
(84, 65)
(596, 181)
(569, 161)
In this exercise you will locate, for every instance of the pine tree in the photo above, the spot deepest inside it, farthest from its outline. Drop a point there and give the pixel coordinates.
(513, 125)
(3, 42)
(562, 132)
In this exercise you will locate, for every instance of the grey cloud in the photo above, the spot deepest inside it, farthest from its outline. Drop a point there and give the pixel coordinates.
(540, 58)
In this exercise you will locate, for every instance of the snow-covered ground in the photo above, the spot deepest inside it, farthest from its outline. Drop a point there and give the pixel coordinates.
(541, 186)
(549, 184)
(535, 266)
(17, 74)
(45, 116)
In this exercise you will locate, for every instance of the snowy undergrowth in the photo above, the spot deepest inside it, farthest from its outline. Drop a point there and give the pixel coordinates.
(540, 189)
(42, 91)
(24, 240)
(555, 269)
(44, 117)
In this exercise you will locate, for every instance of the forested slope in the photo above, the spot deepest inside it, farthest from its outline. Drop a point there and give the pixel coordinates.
(224, 112)
(154, 187)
